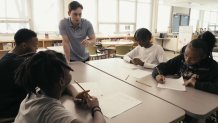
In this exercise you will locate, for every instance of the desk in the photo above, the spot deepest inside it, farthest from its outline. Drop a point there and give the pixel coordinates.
(162, 40)
(117, 43)
(196, 103)
(151, 110)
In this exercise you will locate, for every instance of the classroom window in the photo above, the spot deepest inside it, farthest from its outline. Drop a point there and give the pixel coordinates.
(164, 17)
(206, 19)
(143, 14)
(13, 15)
(213, 17)
(124, 7)
(90, 11)
(138, 16)
(46, 15)
(194, 19)
(107, 11)
(107, 28)
(210, 20)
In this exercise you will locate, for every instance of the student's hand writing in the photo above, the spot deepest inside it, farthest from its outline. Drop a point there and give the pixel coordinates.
(137, 61)
(81, 97)
(160, 79)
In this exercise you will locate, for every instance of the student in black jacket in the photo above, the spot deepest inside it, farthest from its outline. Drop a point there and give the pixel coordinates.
(11, 95)
(196, 66)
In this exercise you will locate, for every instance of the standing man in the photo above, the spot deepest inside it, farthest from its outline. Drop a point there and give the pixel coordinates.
(74, 31)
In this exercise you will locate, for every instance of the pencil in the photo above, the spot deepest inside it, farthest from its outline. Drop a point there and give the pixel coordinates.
(79, 85)
(127, 77)
(163, 79)
(158, 71)
(143, 83)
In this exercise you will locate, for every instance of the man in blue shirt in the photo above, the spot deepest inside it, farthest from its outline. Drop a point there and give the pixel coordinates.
(74, 31)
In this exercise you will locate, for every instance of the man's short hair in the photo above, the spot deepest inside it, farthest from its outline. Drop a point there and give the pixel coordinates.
(74, 5)
(24, 35)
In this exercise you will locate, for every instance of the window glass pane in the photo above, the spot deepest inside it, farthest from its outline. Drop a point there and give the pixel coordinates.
(194, 18)
(13, 15)
(2, 8)
(127, 6)
(107, 28)
(164, 16)
(90, 11)
(13, 9)
(213, 17)
(3, 28)
(107, 10)
(143, 15)
(45, 17)
(12, 27)
(206, 16)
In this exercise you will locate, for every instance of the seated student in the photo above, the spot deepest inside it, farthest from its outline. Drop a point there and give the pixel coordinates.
(146, 54)
(209, 38)
(11, 95)
(45, 76)
(197, 68)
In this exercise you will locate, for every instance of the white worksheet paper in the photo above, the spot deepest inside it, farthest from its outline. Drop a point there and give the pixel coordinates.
(92, 86)
(115, 104)
(174, 84)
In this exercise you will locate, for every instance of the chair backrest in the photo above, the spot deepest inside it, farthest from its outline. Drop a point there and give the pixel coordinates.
(122, 50)
(92, 50)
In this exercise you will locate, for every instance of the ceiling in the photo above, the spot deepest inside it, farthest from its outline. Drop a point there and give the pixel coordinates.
(200, 4)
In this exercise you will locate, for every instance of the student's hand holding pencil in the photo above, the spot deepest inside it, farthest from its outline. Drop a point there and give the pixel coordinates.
(160, 78)
(86, 101)
(81, 97)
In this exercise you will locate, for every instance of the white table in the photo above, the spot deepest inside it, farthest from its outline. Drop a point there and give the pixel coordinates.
(151, 110)
(196, 103)
(117, 43)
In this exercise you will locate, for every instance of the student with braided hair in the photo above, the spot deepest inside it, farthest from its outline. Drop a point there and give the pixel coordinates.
(45, 76)
(210, 40)
(146, 54)
(195, 65)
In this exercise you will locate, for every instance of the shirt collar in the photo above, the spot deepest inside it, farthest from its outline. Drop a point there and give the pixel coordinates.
(71, 24)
